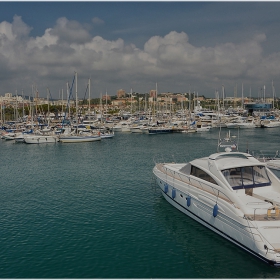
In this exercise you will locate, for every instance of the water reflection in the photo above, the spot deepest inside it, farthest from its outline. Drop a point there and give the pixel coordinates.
(208, 254)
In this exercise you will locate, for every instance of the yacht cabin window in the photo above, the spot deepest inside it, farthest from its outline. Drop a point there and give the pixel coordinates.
(247, 177)
(197, 172)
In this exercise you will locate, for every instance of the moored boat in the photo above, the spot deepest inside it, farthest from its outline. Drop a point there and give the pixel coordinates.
(39, 139)
(160, 130)
(231, 193)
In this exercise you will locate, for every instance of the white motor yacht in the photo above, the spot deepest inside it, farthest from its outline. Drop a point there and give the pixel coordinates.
(39, 139)
(270, 123)
(231, 193)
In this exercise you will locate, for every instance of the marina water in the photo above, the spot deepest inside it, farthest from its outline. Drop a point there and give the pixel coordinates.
(92, 210)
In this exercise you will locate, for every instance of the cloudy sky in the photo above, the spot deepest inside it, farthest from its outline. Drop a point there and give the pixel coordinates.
(181, 46)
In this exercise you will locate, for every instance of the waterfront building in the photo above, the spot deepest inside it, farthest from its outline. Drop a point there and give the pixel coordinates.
(258, 106)
(120, 93)
(106, 97)
(153, 93)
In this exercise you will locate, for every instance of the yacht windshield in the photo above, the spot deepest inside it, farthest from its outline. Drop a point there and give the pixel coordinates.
(247, 177)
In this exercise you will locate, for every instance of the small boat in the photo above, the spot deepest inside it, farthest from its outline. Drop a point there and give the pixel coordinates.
(202, 127)
(40, 139)
(137, 128)
(107, 134)
(272, 160)
(78, 138)
(247, 125)
(11, 134)
(270, 123)
(232, 194)
(160, 130)
(125, 127)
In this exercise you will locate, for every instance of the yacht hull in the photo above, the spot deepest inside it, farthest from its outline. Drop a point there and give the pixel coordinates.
(160, 130)
(79, 139)
(40, 139)
(232, 227)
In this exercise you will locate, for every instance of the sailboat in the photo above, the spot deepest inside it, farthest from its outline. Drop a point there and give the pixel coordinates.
(105, 132)
(75, 136)
(43, 135)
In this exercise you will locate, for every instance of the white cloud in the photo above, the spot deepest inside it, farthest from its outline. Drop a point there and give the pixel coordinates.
(45, 41)
(69, 31)
(6, 31)
(19, 28)
(97, 21)
(171, 60)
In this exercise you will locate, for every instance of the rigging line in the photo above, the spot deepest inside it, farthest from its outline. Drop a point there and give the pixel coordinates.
(51, 99)
(68, 101)
(85, 93)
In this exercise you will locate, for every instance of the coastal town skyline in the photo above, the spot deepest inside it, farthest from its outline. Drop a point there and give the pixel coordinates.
(180, 46)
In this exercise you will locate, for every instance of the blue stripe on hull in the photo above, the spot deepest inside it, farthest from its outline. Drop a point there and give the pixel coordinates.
(213, 228)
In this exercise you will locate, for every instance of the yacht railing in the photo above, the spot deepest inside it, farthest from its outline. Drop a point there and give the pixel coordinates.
(196, 183)
(260, 214)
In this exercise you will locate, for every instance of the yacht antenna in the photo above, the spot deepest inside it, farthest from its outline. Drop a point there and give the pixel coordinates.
(219, 139)
(237, 140)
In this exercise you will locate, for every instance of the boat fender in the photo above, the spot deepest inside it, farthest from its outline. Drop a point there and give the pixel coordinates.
(173, 193)
(215, 210)
(166, 188)
(189, 201)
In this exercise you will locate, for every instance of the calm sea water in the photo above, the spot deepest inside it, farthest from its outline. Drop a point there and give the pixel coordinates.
(91, 210)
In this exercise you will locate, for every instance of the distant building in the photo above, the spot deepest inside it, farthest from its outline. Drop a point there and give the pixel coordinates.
(200, 98)
(11, 99)
(120, 93)
(258, 106)
(153, 93)
(106, 97)
(119, 102)
(181, 98)
(166, 98)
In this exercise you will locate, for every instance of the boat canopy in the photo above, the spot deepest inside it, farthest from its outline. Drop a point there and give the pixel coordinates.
(186, 169)
(195, 171)
(247, 177)
(228, 160)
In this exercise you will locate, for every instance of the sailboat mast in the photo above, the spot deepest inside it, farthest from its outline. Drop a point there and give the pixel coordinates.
(89, 95)
(61, 101)
(48, 109)
(16, 111)
(156, 98)
(68, 100)
(1, 110)
(272, 95)
(242, 100)
(131, 102)
(106, 103)
(76, 97)
(22, 104)
(101, 109)
(223, 89)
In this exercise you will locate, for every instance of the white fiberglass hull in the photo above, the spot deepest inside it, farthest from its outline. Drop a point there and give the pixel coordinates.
(203, 129)
(9, 136)
(247, 125)
(232, 125)
(107, 135)
(78, 139)
(136, 130)
(126, 129)
(228, 223)
(36, 139)
(117, 129)
(272, 124)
